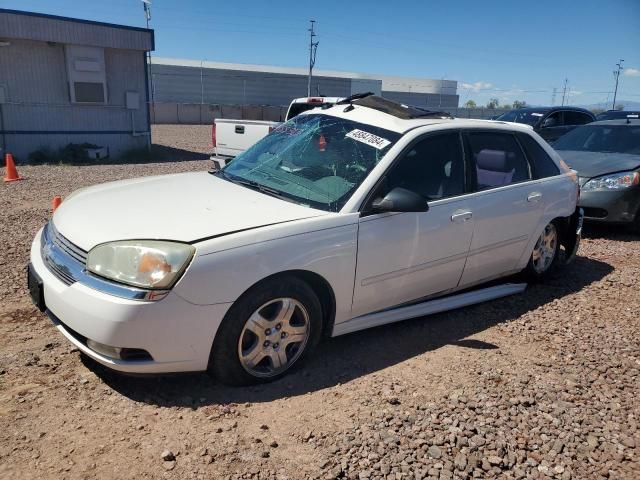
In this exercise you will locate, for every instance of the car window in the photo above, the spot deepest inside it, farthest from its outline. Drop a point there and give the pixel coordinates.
(553, 120)
(528, 117)
(576, 118)
(542, 163)
(498, 159)
(433, 167)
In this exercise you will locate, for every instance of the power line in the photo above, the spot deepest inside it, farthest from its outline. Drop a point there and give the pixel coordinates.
(564, 90)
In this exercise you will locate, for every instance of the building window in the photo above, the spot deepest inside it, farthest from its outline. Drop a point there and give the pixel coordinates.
(87, 76)
(88, 92)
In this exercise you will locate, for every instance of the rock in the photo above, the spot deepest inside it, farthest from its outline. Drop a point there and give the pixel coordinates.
(434, 451)
(494, 460)
(273, 444)
(460, 461)
(628, 441)
(169, 465)
(264, 427)
(167, 455)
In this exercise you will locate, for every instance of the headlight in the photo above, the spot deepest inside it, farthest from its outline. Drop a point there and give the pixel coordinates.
(141, 263)
(615, 181)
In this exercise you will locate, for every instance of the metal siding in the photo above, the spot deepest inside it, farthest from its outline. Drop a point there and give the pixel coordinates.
(183, 85)
(38, 98)
(34, 72)
(426, 100)
(126, 73)
(47, 29)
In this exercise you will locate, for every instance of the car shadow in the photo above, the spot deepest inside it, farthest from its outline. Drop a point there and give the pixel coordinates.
(341, 359)
(619, 233)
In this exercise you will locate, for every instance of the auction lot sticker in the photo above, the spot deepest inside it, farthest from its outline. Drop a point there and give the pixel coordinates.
(368, 138)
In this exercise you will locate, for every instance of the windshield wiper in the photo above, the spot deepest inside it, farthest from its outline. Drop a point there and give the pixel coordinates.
(255, 186)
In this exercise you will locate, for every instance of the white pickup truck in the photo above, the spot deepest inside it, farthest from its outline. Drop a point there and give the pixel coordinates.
(232, 137)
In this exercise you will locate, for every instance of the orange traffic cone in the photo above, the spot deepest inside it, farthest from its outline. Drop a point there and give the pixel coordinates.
(322, 144)
(55, 203)
(11, 174)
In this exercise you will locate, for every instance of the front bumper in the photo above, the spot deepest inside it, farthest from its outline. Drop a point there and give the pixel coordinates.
(620, 206)
(177, 334)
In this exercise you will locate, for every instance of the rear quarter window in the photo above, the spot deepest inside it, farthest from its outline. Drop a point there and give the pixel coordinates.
(543, 165)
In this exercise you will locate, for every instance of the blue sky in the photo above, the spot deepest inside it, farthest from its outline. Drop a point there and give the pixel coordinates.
(504, 49)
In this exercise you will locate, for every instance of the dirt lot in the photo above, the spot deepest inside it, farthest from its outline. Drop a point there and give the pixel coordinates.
(540, 385)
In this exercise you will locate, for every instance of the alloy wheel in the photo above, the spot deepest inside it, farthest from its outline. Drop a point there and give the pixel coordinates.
(544, 251)
(274, 337)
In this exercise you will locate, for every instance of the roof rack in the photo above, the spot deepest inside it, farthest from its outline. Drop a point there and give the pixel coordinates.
(399, 110)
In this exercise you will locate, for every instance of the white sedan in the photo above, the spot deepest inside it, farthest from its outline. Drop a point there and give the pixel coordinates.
(361, 214)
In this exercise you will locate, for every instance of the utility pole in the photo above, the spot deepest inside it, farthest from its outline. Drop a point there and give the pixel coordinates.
(553, 96)
(147, 15)
(313, 48)
(616, 74)
(564, 90)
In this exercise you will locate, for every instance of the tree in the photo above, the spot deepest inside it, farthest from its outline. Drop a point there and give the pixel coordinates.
(493, 104)
(619, 106)
(519, 104)
(470, 104)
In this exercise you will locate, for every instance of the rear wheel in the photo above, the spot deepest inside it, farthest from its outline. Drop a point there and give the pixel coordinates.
(545, 254)
(266, 331)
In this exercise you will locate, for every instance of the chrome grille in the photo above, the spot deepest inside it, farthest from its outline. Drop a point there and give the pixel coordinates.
(73, 250)
(63, 258)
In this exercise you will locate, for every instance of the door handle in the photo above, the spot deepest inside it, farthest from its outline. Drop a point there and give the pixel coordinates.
(239, 129)
(534, 197)
(461, 216)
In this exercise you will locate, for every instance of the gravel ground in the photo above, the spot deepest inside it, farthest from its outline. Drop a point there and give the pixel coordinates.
(540, 385)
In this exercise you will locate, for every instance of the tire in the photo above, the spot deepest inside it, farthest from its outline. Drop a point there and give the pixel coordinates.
(635, 226)
(270, 329)
(545, 256)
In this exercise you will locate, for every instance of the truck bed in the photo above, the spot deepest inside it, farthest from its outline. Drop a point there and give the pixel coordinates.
(235, 136)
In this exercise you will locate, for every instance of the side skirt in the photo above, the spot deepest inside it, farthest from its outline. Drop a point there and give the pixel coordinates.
(427, 308)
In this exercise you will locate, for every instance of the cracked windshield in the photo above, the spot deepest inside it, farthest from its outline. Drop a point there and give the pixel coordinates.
(315, 160)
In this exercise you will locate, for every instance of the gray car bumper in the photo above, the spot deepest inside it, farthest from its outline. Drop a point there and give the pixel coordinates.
(620, 206)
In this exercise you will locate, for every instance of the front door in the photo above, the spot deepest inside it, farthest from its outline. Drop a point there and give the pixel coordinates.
(553, 126)
(407, 256)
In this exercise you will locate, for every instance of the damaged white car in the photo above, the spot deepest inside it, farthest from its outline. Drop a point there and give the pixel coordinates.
(361, 214)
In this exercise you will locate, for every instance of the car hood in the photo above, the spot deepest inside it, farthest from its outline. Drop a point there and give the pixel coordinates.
(594, 164)
(183, 207)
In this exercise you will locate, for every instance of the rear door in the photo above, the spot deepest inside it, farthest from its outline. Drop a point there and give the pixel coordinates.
(507, 204)
(407, 256)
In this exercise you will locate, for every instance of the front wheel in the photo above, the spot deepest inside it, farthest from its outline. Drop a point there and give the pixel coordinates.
(266, 331)
(545, 254)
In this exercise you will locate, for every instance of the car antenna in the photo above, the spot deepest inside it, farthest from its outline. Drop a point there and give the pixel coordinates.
(351, 98)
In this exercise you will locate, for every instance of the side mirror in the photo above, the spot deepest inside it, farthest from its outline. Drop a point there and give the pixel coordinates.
(400, 200)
